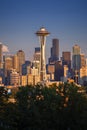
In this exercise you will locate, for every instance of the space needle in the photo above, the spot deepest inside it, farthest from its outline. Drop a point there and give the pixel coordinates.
(42, 33)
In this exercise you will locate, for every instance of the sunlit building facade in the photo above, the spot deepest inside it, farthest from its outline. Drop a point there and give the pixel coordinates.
(8, 64)
(0, 56)
(83, 75)
(15, 62)
(83, 60)
(21, 60)
(23, 80)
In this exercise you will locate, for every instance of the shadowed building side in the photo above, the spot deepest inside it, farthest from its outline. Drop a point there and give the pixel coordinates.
(54, 51)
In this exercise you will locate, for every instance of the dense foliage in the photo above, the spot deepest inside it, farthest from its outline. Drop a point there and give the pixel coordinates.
(38, 107)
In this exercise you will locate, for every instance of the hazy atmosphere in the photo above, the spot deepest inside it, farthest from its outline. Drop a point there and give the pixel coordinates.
(64, 19)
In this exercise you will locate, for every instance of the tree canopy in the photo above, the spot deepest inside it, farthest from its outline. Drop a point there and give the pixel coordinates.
(39, 107)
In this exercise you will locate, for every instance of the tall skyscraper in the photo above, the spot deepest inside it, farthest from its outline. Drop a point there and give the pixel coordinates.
(0, 56)
(54, 51)
(66, 59)
(36, 59)
(16, 63)
(59, 70)
(26, 67)
(83, 70)
(83, 60)
(42, 33)
(21, 60)
(76, 50)
(76, 61)
(8, 64)
(37, 54)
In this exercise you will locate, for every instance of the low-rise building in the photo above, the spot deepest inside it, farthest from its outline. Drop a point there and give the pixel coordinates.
(14, 78)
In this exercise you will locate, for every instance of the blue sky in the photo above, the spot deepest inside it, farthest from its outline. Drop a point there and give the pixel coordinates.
(64, 19)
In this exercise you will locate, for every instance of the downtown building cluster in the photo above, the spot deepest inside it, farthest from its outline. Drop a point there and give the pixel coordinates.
(71, 67)
(16, 71)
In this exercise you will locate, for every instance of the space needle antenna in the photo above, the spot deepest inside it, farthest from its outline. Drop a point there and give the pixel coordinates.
(42, 33)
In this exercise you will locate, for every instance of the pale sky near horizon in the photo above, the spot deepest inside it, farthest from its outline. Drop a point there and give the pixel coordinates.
(64, 19)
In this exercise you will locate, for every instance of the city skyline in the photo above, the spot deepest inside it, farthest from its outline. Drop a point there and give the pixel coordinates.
(65, 20)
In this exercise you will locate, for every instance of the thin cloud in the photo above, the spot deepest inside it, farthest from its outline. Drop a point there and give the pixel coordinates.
(5, 48)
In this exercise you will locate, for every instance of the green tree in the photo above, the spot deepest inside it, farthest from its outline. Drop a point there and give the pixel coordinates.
(53, 108)
(3, 102)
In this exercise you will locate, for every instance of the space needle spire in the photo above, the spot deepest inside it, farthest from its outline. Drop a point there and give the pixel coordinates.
(42, 33)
